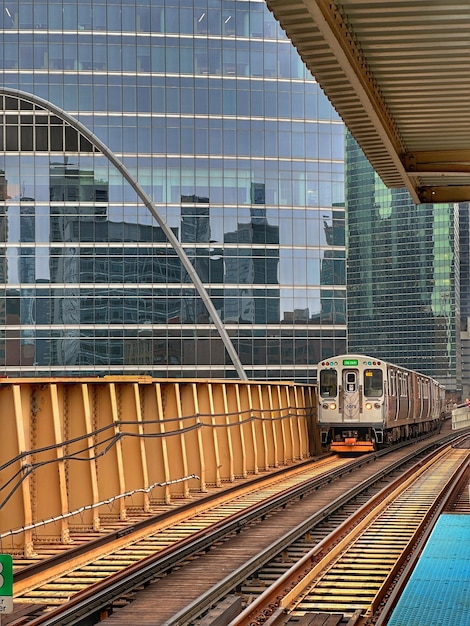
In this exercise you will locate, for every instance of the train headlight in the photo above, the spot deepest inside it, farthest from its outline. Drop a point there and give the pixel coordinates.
(332, 406)
(368, 405)
(376, 405)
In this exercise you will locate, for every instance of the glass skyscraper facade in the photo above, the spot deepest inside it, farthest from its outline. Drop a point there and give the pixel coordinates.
(216, 121)
(403, 275)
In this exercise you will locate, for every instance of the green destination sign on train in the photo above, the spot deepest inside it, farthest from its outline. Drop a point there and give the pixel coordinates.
(349, 362)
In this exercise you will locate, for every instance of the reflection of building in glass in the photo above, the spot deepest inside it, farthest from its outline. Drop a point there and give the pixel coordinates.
(69, 184)
(403, 276)
(258, 194)
(3, 262)
(196, 229)
(464, 247)
(244, 170)
(249, 264)
(27, 274)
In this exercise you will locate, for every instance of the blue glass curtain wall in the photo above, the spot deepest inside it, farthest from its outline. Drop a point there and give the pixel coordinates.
(212, 111)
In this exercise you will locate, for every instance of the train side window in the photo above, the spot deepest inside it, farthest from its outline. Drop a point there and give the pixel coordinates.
(328, 383)
(426, 390)
(403, 385)
(373, 383)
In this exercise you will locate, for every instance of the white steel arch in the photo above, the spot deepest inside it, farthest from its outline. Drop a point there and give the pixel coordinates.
(112, 158)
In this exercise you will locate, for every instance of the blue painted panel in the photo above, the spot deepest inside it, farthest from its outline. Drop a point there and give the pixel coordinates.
(438, 592)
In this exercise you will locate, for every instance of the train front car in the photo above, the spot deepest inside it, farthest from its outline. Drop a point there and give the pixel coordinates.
(351, 393)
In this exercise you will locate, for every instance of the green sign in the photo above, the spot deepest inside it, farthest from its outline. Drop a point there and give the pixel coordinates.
(6, 575)
(350, 362)
(6, 583)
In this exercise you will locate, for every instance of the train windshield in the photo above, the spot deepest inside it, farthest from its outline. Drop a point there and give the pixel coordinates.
(373, 383)
(328, 383)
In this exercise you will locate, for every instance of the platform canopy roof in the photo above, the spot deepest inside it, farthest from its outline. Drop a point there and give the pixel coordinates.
(398, 74)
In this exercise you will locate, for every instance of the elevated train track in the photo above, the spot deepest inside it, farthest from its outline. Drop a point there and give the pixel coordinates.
(171, 536)
(352, 570)
(304, 488)
(226, 463)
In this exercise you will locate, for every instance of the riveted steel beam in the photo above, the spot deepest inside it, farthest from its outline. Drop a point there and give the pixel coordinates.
(78, 452)
(444, 194)
(437, 161)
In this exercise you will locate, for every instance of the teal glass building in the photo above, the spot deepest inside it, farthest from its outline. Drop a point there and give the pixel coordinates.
(171, 185)
(403, 275)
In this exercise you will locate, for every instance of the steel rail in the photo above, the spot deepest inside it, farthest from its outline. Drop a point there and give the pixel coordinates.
(231, 581)
(386, 600)
(102, 594)
(274, 600)
(137, 529)
(235, 578)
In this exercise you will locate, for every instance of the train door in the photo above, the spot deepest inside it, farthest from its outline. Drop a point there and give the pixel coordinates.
(351, 395)
(419, 412)
(392, 408)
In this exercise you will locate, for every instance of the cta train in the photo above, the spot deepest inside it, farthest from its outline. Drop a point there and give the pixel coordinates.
(366, 403)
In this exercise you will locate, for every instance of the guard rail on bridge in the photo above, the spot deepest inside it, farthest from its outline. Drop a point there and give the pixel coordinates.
(461, 417)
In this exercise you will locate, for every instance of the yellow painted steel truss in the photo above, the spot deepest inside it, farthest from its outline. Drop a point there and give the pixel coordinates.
(76, 452)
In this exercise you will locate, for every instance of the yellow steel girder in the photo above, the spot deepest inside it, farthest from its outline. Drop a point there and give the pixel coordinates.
(80, 452)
